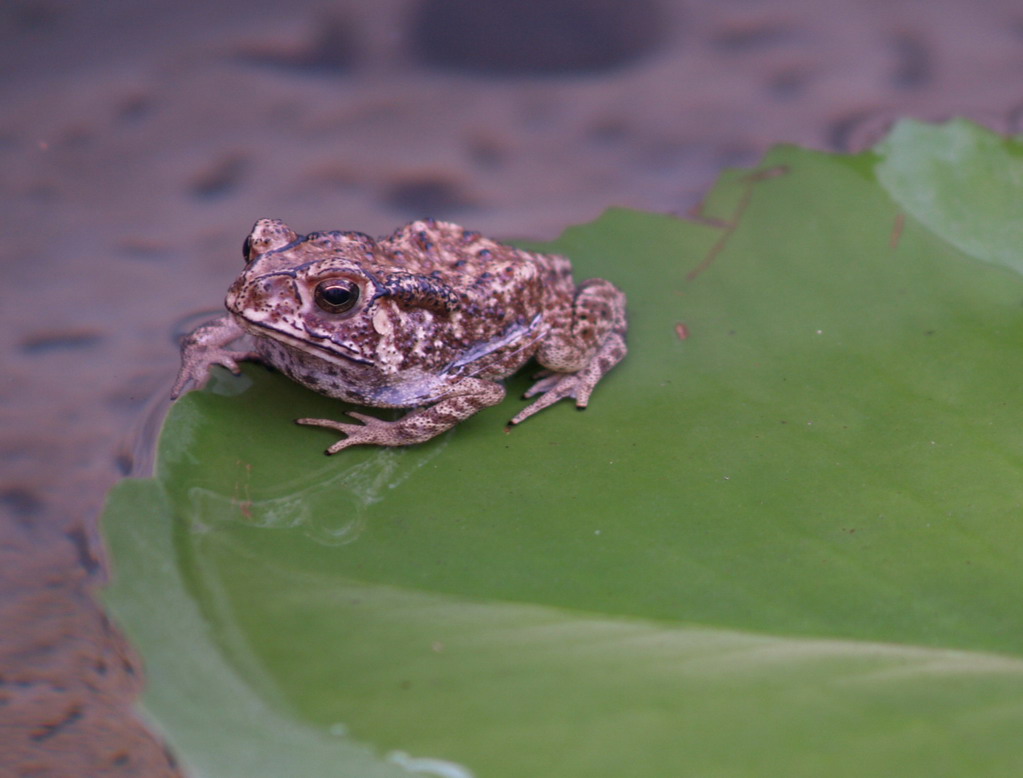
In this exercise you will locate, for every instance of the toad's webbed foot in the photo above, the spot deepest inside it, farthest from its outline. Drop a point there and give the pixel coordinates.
(468, 397)
(206, 347)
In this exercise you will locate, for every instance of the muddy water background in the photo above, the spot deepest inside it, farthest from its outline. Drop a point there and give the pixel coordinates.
(140, 140)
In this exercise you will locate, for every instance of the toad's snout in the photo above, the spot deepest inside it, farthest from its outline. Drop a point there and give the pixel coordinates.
(270, 300)
(264, 298)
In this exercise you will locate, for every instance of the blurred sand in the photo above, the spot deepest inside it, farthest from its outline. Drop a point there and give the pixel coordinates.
(139, 142)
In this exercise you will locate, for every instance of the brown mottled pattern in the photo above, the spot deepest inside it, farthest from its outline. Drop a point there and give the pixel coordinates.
(429, 318)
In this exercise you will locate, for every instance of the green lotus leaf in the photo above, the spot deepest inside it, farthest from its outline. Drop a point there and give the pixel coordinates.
(785, 539)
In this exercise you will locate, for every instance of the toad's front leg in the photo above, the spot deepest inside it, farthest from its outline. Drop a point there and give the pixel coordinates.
(467, 397)
(207, 346)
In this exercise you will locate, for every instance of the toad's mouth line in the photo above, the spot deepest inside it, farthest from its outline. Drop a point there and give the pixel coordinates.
(312, 342)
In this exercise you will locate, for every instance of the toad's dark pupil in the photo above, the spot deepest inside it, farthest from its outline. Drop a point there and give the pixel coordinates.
(337, 296)
(247, 248)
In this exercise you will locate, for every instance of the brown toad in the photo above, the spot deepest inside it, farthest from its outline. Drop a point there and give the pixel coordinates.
(430, 318)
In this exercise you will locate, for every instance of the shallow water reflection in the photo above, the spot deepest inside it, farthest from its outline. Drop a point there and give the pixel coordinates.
(299, 502)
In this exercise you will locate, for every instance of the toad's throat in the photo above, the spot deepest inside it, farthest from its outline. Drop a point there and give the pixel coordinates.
(325, 348)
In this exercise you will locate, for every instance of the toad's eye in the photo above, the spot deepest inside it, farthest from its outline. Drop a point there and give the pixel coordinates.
(336, 295)
(247, 248)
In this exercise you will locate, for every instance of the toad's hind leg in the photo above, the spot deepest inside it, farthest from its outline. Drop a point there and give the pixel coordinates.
(468, 396)
(582, 352)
